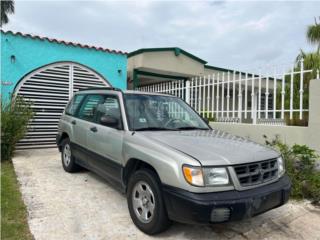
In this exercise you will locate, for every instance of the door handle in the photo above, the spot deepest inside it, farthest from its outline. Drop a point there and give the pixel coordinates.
(93, 129)
(74, 122)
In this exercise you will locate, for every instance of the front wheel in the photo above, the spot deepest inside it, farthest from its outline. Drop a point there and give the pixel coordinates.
(145, 202)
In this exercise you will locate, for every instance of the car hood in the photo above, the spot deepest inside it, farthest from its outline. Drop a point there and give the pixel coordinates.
(213, 147)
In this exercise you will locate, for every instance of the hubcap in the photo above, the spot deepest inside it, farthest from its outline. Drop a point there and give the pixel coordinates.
(143, 202)
(66, 155)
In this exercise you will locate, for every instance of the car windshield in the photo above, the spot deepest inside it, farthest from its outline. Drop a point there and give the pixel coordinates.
(157, 112)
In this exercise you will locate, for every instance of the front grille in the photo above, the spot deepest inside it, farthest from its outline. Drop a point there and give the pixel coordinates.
(256, 173)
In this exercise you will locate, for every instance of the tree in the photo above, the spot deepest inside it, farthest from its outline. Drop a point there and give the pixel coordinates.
(311, 61)
(7, 7)
(313, 34)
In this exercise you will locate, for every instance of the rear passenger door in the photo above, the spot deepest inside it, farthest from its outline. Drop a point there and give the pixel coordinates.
(106, 142)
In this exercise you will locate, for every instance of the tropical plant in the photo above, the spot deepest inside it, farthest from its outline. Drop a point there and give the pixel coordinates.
(300, 163)
(15, 115)
(311, 61)
(313, 34)
(7, 7)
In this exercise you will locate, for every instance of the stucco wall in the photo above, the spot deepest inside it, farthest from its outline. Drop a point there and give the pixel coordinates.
(31, 54)
(167, 62)
(289, 134)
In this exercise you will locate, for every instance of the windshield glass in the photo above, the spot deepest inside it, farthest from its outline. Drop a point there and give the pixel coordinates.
(155, 112)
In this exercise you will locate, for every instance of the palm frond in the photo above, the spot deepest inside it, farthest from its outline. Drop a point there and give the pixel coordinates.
(7, 7)
(313, 34)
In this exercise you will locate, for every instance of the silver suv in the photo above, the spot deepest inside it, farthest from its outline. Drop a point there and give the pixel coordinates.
(170, 163)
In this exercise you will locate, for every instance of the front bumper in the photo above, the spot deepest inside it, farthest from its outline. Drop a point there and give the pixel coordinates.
(187, 207)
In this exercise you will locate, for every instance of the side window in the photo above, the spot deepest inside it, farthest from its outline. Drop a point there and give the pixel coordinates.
(89, 107)
(73, 105)
(109, 107)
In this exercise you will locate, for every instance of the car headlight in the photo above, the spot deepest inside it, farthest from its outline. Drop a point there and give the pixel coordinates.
(215, 176)
(206, 176)
(281, 168)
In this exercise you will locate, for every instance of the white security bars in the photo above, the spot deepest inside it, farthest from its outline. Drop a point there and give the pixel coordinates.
(244, 97)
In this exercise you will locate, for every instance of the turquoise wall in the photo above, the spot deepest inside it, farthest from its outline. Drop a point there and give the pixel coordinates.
(31, 54)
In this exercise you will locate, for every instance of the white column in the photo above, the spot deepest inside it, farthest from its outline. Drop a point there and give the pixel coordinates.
(240, 97)
(188, 91)
(253, 102)
(228, 96)
(212, 96)
(301, 87)
(203, 95)
(196, 94)
(283, 92)
(208, 96)
(222, 96)
(217, 102)
(274, 95)
(246, 97)
(200, 96)
(291, 93)
(234, 95)
(259, 97)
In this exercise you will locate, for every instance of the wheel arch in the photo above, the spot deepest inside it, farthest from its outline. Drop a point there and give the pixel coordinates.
(63, 136)
(134, 164)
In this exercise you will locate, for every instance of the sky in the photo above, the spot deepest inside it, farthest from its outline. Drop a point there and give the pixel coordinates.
(230, 34)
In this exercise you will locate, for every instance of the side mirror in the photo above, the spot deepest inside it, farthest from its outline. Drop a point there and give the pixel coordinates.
(109, 121)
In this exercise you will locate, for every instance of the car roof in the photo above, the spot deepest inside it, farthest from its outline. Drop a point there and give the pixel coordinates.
(110, 89)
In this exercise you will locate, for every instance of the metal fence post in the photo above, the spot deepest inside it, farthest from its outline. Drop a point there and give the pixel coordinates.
(188, 91)
(254, 108)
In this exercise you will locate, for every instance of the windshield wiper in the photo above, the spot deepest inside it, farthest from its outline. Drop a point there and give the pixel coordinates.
(192, 128)
(154, 129)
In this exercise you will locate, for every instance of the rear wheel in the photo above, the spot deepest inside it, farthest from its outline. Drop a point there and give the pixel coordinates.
(145, 202)
(68, 160)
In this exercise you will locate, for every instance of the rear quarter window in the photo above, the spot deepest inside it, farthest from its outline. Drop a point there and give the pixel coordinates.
(74, 104)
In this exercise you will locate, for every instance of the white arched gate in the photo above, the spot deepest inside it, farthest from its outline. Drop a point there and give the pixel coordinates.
(49, 89)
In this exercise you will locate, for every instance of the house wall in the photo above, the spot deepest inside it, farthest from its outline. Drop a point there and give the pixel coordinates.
(31, 54)
(166, 61)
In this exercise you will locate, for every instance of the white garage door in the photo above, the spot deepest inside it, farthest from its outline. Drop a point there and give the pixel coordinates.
(49, 89)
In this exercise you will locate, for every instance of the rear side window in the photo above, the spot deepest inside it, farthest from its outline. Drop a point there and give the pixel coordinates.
(89, 107)
(74, 104)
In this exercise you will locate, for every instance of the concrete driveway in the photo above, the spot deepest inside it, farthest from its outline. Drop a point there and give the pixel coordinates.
(84, 206)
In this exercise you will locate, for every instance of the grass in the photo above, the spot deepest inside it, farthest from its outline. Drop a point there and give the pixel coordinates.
(14, 223)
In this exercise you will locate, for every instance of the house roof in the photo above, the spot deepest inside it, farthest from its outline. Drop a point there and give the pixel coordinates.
(229, 70)
(177, 51)
(54, 40)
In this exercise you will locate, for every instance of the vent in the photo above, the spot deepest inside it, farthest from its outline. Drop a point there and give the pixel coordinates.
(256, 173)
(49, 90)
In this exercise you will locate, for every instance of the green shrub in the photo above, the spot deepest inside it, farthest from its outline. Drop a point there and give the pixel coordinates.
(15, 115)
(300, 166)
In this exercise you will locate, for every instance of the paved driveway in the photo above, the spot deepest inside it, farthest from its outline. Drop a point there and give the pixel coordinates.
(83, 206)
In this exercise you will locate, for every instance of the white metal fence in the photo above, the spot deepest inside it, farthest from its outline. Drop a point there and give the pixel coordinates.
(244, 97)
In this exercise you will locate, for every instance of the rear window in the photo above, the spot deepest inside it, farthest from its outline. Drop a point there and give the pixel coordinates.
(74, 104)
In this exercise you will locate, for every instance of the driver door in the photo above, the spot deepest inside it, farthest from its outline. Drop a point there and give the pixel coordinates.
(106, 142)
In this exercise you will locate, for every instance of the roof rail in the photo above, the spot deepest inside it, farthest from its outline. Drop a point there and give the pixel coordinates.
(100, 88)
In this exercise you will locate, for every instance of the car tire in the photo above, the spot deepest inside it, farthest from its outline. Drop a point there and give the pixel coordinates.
(148, 183)
(68, 160)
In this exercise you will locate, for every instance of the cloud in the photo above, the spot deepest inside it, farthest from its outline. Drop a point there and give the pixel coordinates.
(226, 34)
